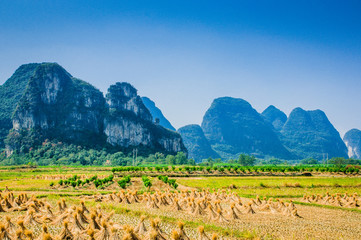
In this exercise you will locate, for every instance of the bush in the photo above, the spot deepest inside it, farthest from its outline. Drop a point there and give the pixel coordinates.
(122, 183)
(97, 183)
(163, 178)
(170, 182)
(146, 181)
(79, 182)
(127, 179)
(51, 184)
(93, 178)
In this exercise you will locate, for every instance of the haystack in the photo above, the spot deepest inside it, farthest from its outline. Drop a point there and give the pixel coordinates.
(181, 233)
(4, 234)
(141, 228)
(202, 234)
(65, 233)
(104, 233)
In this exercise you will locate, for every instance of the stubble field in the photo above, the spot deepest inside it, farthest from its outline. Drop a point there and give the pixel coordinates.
(249, 207)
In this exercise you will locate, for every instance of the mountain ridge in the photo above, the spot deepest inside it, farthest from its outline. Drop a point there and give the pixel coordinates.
(56, 105)
(232, 125)
(309, 134)
(275, 116)
(10, 93)
(43, 100)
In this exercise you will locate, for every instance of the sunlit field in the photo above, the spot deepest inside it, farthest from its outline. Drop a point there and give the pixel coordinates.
(122, 206)
(290, 187)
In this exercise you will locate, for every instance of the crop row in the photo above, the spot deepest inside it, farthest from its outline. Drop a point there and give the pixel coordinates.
(75, 181)
(239, 169)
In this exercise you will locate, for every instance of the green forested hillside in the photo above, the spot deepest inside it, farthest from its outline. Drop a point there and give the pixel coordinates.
(10, 93)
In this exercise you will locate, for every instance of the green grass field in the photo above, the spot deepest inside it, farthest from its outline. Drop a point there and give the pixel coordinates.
(290, 187)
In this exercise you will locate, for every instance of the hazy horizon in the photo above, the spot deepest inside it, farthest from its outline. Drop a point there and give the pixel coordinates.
(182, 55)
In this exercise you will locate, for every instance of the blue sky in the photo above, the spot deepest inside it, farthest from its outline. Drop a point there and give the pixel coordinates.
(183, 54)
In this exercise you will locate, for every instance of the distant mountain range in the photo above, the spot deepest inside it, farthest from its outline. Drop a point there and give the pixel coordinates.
(232, 126)
(43, 101)
(309, 134)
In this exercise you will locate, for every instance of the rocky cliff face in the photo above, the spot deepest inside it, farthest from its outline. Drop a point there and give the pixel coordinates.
(310, 134)
(57, 106)
(124, 97)
(10, 94)
(232, 127)
(352, 140)
(129, 122)
(196, 143)
(275, 117)
(157, 113)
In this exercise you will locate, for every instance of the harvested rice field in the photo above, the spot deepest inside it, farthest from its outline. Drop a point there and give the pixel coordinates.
(76, 203)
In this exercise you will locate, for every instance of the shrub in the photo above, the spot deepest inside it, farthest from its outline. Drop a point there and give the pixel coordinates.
(93, 178)
(79, 182)
(122, 183)
(172, 183)
(127, 179)
(97, 183)
(146, 181)
(163, 178)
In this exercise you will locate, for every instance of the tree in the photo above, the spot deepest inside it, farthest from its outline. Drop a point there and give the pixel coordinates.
(191, 162)
(338, 161)
(275, 161)
(181, 158)
(310, 161)
(246, 160)
(170, 159)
